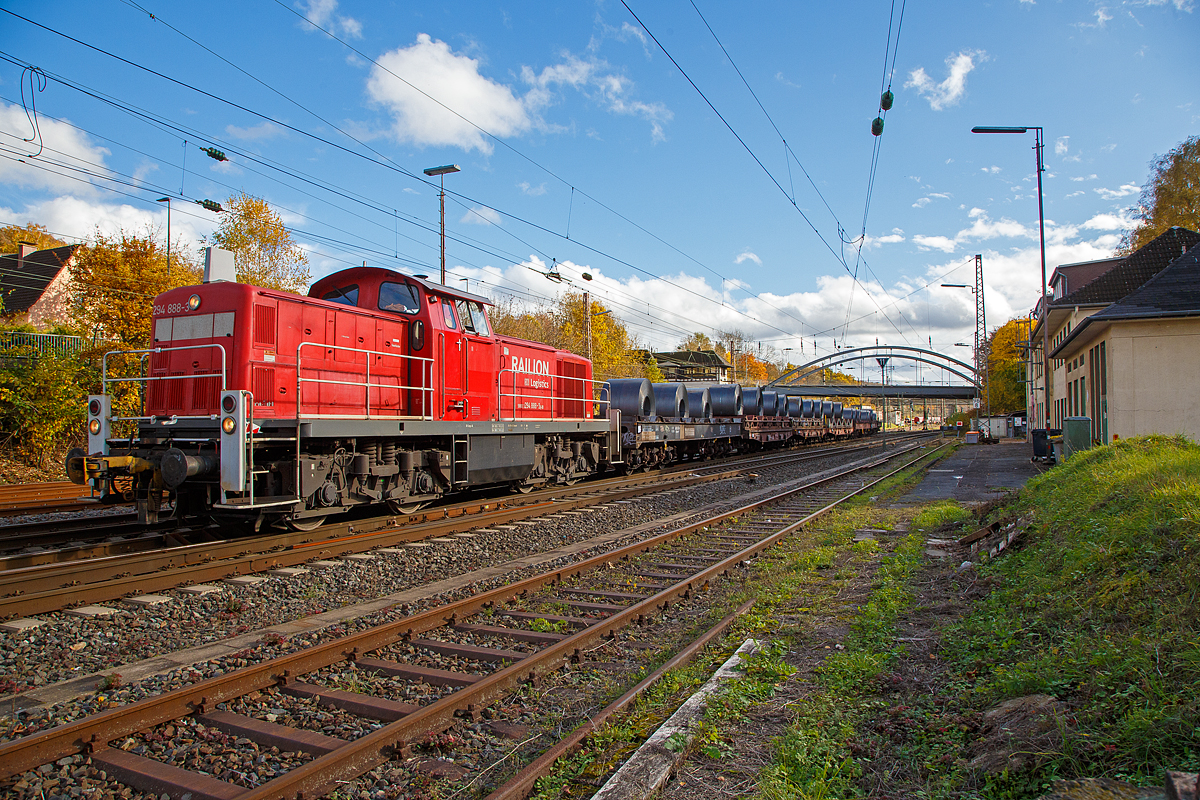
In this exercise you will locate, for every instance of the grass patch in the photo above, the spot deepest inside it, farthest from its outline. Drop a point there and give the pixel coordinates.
(1099, 609)
(814, 758)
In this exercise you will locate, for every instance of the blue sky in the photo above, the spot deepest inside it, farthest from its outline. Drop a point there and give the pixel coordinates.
(584, 147)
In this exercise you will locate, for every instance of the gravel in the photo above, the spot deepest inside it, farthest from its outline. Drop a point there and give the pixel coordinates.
(67, 647)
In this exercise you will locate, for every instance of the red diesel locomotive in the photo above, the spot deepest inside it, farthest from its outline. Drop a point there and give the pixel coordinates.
(376, 387)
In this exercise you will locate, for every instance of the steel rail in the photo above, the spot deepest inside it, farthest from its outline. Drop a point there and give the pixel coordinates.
(40, 588)
(321, 774)
(51, 587)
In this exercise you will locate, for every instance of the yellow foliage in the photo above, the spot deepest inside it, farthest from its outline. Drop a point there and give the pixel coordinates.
(114, 281)
(12, 235)
(263, 251)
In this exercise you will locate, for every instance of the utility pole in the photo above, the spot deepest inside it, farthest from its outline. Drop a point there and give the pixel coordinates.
(587, 322)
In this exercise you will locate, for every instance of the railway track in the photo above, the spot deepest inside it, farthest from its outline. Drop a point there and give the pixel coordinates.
(432, 671)
(42, 498)
(88, 536)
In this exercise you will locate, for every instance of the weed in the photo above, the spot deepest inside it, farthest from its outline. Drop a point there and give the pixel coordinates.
(545, 626)
(109, 682)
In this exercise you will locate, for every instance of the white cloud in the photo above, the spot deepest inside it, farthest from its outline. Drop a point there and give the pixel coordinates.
(922, 202)
(1061, 145)
(456, 82)
(1077, 193)
(78, 217)
(945, 244)
(455, 79)
(60, 142)
(264, 130)
(1091, 177)
(929, 198)
(1113, 194)
(532, 191)
(952, 89)
(1109, 222)
(875, 242)
(481, 215)
(991, 170)
(779, 76)
(322, 14)
(747, 255)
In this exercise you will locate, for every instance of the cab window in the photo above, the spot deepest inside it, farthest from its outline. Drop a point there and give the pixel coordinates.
(345, 295)
(478, 318)
(401, 297)
(448, 314)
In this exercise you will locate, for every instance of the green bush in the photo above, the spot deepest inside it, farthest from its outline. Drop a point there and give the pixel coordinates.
(43, 402)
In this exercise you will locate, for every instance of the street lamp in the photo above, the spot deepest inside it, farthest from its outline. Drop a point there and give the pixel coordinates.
(167, 200)
(1038, 145)
(441, 173)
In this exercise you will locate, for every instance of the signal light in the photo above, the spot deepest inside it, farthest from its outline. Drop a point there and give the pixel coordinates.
(215, 153)
(94, 408)
(228, 403)
(211, 205)
(229, 424)
(94, 427)
(877, 126)
(193, 302)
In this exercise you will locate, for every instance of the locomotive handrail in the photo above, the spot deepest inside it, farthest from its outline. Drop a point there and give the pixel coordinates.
(144, 379)
(583, 399)
(426, 389)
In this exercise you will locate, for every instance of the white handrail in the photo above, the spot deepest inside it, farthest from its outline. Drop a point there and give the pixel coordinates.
(583, 398)
(426, 387)
(145, 379)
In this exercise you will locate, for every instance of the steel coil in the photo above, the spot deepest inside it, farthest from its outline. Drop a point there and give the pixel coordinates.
(699, 402)
(670, 399)
(633, 397)
(751, 401)
(727, 400)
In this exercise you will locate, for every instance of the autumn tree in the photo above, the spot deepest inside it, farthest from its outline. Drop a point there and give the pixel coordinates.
(1005, 384)
(114, 280)
(263, 250)
(695, 341)
(11, 237)
(1170, 197)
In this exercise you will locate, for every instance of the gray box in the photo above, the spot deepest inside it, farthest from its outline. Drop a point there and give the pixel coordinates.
(218, 265)
(1077, 435)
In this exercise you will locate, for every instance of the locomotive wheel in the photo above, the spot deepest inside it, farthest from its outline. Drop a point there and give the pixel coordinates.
(522, 488)
(404, 509)
(304, 524)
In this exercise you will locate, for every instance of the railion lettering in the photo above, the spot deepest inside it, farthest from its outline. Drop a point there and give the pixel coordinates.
(531, 365)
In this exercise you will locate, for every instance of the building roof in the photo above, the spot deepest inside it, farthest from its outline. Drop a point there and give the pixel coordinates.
(699, 358)
(22, 282)
(1132, 272)
(1173, 292)
(1074, 276)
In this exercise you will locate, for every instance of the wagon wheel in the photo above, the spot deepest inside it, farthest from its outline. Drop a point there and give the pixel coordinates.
(404, 509)
(305, 524)
(520, 487)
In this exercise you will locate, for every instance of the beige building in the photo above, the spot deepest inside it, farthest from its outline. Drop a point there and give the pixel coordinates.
(34, 284)
(1124, 343)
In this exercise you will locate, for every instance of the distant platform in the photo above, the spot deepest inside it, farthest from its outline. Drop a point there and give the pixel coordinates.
(905, 392)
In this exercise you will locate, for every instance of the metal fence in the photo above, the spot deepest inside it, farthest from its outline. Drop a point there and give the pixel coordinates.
(42, 343)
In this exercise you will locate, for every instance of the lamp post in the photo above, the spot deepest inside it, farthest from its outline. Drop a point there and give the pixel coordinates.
(441, 173)
(167, 200)
(1038, 145)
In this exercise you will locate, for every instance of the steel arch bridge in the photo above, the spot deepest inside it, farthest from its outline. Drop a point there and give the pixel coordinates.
(789, 381)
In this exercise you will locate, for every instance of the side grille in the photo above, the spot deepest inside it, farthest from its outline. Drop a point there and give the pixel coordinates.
(264, 326)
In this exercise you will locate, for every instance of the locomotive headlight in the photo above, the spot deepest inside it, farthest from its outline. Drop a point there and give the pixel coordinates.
(229, 424)
(94, 409)
(193, 302)
(94, 426)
